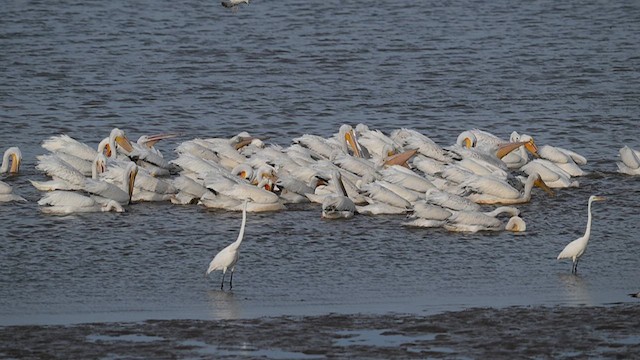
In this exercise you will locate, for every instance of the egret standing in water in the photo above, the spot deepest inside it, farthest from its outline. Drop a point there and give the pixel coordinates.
(228, 257)
(576, 248)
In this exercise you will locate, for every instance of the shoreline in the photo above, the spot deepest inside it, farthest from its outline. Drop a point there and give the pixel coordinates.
(517, 331)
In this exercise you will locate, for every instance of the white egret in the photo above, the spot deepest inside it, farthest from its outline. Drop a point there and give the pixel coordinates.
(227, 258)
(575, 249)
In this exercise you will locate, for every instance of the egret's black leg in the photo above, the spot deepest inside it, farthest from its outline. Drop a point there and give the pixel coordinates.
(575, 272)
(231, 281)
(222, 285)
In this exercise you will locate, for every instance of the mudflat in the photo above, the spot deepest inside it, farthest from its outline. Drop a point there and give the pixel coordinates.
(513, 332)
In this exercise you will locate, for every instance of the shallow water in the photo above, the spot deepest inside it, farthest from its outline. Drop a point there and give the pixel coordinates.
(568, 74)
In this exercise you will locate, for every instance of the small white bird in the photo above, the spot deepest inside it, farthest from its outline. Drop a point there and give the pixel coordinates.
(575, 249)
(228, 257)
(232, 4)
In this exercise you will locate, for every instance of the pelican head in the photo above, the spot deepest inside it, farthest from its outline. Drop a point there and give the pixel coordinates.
(516, 224)
(530, 145)
(149, 141)
(350, 139)
(120, 138)
(12, 155)
(467, 139)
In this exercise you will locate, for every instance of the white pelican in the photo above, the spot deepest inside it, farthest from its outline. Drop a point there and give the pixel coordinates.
(146, 186)
(411, 139)
(496, 191)
(560, 155)
(380, 208)
(474, 221)
(148, 157)
(575, 249)
(319, 146)
(70, 202)
(550, 173)
(121, 194)
(227, 258)
(380, 192)
(562, 159)
(66, 144)
(630, 163)
(65, 177)
(450, 201)
(400, 175)
(377, 144)
(427, 165)
(7, 195)
(11, 160)
(240, 189)
(338, 205)
(491, 151)
(347, 140)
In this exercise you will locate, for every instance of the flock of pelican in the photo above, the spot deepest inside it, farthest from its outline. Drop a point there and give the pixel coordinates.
(354, 171)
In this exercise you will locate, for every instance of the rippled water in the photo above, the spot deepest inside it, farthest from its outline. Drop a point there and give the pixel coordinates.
(567, 73)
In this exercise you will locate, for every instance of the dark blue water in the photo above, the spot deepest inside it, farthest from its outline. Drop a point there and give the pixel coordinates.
(567, 73)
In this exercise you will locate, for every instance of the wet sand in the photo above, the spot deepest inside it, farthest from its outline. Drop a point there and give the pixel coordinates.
(514, 332)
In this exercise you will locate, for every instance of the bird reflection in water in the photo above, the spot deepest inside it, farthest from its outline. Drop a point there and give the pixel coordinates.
(576, 289)
(223, 305)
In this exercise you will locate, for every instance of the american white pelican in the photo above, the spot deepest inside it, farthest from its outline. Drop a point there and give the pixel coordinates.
(347, 140)
(550, 173)
(495, 191)
(338, 205)
(7, 195)
(356, 165)
(630, 163)
(319, 146)
(150, 158)
(146, 186)
(560, 155)
(400, 175)
(239, 189)
(450, 201)
(562, 159)
(66, 144)
(474, 221)
(380, 208)
(11, 160)
(376, 143)
(65, 177)
(380, 192)
(411, 139)
(491, 152)
(575, 249)
(70, 202)
(227, 258)
(121, 194)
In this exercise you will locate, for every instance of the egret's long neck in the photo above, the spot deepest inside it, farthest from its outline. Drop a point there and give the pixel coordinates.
(244, 222)
(587, 232)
